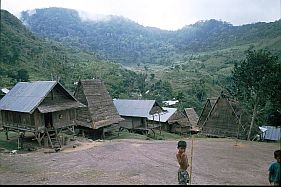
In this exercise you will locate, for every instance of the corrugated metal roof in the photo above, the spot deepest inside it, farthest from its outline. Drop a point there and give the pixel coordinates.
(26, 96)
(271, 133)
(164, 116)
(135, 108)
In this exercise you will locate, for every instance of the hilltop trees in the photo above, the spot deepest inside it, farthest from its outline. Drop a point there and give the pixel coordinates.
(257, 82)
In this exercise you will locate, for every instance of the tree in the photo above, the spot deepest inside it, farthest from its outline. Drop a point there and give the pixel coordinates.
(23, 75)
(255, 79)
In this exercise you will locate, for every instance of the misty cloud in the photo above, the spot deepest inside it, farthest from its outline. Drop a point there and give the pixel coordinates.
(164, 14)
(86, 16)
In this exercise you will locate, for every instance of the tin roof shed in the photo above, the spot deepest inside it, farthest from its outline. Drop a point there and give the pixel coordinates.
(270, 132)
(27, 96)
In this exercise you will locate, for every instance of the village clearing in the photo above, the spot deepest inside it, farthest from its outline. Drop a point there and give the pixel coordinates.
(215, 161)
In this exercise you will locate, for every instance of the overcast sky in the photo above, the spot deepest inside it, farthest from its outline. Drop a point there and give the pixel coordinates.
(164, 14)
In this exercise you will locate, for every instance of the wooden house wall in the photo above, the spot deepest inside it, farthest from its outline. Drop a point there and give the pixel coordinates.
(38, 119)
(63, 118)
(132, 122)
(176, 128)
(18, 120)
(1, 125)
(165, 127)
(222, 121)
(56, 95)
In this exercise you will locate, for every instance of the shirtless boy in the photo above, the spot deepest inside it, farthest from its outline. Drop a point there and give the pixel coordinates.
(183, 176)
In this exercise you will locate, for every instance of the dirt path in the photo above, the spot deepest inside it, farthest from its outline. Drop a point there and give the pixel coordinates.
(215, 161)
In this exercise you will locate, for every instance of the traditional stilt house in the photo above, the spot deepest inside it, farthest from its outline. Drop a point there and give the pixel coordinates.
(224, 119)
(40, 107)
(136, 112)
(100, 115)
(172, 120)
(193, 119)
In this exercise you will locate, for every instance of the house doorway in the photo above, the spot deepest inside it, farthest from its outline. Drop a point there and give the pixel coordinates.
(48, 118)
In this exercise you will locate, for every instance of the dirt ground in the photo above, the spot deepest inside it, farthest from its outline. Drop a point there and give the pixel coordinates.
(129, 161)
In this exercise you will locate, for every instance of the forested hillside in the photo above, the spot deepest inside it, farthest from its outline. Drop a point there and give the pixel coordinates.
(25, 57)
(116, 38)
(121, 40)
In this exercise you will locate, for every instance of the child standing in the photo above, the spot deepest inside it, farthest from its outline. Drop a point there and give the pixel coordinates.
(183, 176)
(274, 175)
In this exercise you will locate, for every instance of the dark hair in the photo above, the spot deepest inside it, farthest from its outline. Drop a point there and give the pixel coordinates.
(277, 153)
(182, 143)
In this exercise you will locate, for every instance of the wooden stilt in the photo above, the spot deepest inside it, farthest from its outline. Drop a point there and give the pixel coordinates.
(191, 156)
(103, 134)
(73, 132)
(7, 136)
(58, 139)
(49, 138)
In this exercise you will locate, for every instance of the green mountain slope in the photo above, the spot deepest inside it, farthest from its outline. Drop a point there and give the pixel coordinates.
(25, 57)
(116, 38)
(121, 40)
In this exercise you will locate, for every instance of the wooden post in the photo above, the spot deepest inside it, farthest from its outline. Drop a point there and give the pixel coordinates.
(7, 136)
(18, 143)
(153, 125)
(49, 138)
(191, 155)
(73, 132)
(160, 123)
(103, 134)
(239, 123)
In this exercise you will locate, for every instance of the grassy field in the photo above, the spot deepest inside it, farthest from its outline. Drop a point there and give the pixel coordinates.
(10, 144)
(29, 143)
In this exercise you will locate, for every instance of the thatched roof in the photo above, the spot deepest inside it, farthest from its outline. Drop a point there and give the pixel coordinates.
(100, 107)
(180, 118)
(192, 117)
(206, 109)
(212, 100)
(225, 117)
